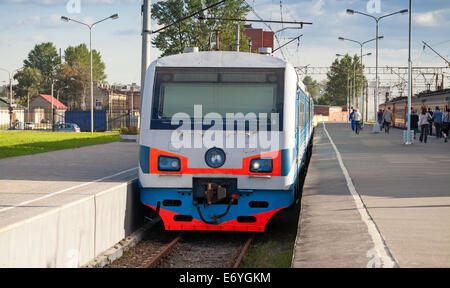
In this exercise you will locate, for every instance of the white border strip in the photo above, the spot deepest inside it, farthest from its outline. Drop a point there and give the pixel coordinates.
(380, 250)
(66, 190)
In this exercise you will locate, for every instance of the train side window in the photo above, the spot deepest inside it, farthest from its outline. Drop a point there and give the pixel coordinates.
(302, 114)
(307, 113)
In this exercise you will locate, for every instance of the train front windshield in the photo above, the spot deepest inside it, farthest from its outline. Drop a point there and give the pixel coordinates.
(220, 91)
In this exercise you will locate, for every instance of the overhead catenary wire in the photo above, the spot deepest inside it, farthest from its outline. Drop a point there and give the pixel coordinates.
(185, 18)
(426, 44)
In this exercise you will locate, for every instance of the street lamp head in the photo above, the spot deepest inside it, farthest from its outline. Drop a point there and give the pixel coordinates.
(404, 12)
(115, 16)
(350, 11)
(381, 37)
(65, 19)
(369, 54)
(341, 38)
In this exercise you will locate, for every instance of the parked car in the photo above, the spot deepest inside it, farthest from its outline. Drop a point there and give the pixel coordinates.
(68, 127)
(29, 126)
(16, 126)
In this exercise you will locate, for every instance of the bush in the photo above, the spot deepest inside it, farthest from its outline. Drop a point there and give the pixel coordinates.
(132, 130)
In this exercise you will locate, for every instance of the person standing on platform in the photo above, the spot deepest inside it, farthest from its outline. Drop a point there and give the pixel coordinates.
(424, 119)
(414, 124)
(437, 119)
(352, 119)
(430, 122)
(446, 124)
(388, 119)
(357, 117)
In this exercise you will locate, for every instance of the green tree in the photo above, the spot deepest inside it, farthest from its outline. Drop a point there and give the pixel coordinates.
(80, 54)
(75, 77)
(312, 86)
(73, 84)
(194, 32)
(342, 73)
(30, 80)
(44, 58)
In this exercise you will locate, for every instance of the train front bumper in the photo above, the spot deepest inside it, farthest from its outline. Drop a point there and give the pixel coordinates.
(251, 212)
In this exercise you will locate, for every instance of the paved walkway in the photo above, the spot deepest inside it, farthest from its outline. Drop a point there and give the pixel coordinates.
(31, 185)
(384, 204)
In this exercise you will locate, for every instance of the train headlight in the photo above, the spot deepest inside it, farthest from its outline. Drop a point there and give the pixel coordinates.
(261, 165)
(215, 158)
(167, 163)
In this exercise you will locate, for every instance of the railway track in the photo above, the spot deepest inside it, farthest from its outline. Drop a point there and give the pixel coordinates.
(187, 250)
(194, 251)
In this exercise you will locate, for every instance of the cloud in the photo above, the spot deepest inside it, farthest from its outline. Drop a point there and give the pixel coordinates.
(39, 38)
(426, 19)
(316, 8)
(51, 21)
(432, 18)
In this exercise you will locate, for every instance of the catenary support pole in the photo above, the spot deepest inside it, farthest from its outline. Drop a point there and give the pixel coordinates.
(408, 124)
(146, 39)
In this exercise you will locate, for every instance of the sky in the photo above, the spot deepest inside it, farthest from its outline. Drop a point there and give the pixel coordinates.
(25, 23)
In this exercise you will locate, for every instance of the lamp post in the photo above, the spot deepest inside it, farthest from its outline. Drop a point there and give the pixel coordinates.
(361, 44)
(10, 76)
(376, 128)
(408, 129)
(90, 26)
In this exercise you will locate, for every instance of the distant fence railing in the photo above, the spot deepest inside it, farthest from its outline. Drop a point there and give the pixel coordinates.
(123, 120)
(43, 125)
(115, 120)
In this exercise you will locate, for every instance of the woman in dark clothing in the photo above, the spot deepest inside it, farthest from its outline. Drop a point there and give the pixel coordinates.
(430, 122)
(414, 124)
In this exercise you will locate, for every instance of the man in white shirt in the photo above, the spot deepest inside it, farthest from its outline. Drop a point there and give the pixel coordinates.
(357, 117)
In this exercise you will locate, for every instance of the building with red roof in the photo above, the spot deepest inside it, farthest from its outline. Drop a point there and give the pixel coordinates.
(40, 109)
(47, 102)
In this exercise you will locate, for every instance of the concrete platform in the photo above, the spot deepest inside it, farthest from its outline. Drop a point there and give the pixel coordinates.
(63, 208)
(370, 201)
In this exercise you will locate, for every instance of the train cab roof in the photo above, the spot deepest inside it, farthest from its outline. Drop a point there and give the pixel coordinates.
(221, 59)
(225, 59)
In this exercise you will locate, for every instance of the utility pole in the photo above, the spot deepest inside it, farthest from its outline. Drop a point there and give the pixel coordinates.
(53, 110)
(238, 38)
(408, 123)
(146, 39)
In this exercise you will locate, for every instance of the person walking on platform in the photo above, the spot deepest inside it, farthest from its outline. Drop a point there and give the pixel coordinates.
(424, 119)
(388, 119)
(357, 117)
(437, 119)
(380, 119)
(414, 124)
(352, 119)
(446, 124)
(430, 122)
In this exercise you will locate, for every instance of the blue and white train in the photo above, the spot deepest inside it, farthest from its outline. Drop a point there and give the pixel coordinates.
(225, 137)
